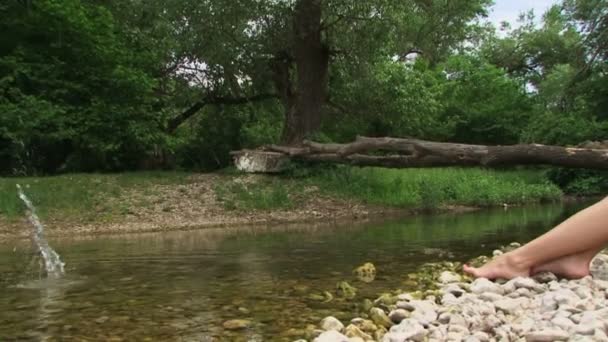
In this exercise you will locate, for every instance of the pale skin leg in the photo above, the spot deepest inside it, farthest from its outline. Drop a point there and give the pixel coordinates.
(567, 249)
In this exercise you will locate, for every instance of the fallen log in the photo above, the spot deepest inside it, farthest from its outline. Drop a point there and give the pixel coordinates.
(412, 153)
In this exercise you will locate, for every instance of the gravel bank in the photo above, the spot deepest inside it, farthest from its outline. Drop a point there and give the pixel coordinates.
(541, 308)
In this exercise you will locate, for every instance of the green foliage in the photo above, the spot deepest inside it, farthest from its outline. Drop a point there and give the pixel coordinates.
(70, 92)
(432, 188)
(483, 104)
(556, 128)
(580, 182)
(392, 99)
(207, 143)
(91, 85)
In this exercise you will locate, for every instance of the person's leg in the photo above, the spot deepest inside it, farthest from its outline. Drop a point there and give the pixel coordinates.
(581, 234)
(572, 266)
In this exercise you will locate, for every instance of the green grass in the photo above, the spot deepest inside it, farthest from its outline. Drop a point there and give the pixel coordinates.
(431, 188)
(78, 195)
(99, 197)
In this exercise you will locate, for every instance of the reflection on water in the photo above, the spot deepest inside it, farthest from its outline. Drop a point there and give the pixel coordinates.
(184, 285)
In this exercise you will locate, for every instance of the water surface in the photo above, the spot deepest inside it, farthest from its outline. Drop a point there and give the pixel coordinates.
(182, 286)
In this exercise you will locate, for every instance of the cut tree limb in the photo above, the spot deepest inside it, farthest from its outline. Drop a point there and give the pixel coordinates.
(410, 153)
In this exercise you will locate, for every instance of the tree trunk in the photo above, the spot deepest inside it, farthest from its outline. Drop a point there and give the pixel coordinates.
(407, 153)
(303, 109)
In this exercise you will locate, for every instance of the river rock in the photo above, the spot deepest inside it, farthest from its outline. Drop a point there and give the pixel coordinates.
(331, 336)
(424, 311)
(600, 335)
(385, 299)
(408, 329)
(366, 273)
(364, 324)
(510, 305)
(444, 317)
(437, 333)
(457, 320)
(398, 315)
(236, 324)
(379, 334)
(547, 335)
(490, 297)
(563, 323)
(102, 319)
(353, 331)
(331, 323)
(585, 329)
(565, 296)
(345, 290)
(405, 297)
(453, 289)
(523, 326)
(521, 292)
(527, 283)
(454, 336)
(482, 285)
(599, 267)
(583, 292)
(544, 277)
(449, 299)
(447, 277)
(380, 318)
(459, 329)
(481, 336)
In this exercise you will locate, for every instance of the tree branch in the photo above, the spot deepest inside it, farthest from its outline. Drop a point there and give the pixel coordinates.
(195, 108)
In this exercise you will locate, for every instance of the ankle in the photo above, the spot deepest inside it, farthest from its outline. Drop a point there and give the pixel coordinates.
(517, 260)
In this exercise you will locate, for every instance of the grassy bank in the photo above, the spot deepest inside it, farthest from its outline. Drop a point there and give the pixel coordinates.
(85, 196)
(99, 198)
(431, 188)
(409, 188)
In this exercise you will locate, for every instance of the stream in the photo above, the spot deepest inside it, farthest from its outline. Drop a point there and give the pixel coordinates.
(182, 286)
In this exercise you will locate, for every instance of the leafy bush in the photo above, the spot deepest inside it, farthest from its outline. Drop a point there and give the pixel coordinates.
(71, 96)
(580, 182)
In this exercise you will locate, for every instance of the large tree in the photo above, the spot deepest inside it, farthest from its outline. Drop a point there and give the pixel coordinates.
(244, 50)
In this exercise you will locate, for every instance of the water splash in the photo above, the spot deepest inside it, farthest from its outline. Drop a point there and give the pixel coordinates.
(52, 262)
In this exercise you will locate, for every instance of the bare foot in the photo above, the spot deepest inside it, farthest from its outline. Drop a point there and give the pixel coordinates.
(505, 266)
(574, 266)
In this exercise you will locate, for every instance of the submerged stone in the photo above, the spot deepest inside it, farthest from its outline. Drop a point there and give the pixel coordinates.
(447, 277)
(354, 331)
(345, 290)
(236, 324)
(331, 336)
(379, 317)
(366, 273)
(408, 329)
(331, 323)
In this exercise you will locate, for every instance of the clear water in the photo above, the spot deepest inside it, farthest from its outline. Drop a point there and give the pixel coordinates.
(182, 286)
